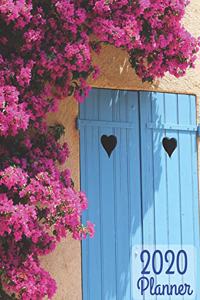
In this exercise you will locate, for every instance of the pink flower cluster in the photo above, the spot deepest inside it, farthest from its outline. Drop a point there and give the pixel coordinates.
(38, 206)
(13, 115)
(45, 55)
(34, 284)
(150, 31)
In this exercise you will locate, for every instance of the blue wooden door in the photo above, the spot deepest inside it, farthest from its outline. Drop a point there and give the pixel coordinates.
(139, 170)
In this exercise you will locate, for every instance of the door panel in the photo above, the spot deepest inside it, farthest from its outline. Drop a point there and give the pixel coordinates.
(169, 184)
(138, 195)
(117, 208)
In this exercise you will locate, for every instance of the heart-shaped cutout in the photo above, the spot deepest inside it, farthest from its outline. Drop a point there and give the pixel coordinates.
(169, 145)
(109, 143)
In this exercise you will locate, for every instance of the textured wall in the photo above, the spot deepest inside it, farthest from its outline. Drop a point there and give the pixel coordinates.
(65, 263)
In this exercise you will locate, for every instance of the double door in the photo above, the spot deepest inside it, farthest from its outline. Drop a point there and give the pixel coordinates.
(138, 155)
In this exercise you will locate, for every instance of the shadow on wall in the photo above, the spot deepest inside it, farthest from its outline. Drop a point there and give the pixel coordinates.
(116, 71)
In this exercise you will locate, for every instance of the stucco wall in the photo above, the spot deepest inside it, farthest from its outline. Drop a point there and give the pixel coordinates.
(65, 263)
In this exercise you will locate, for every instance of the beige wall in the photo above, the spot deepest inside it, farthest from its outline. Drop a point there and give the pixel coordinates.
(65, 263)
